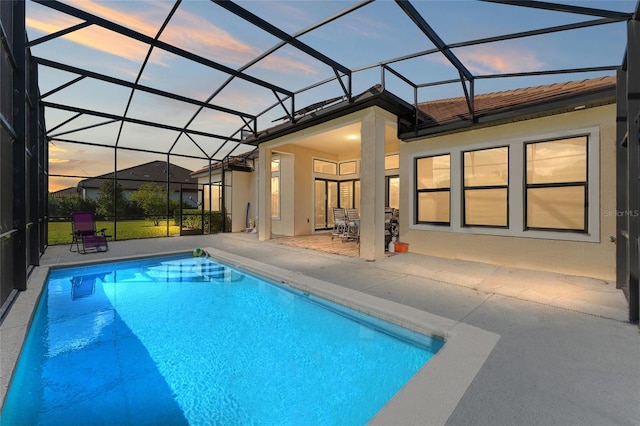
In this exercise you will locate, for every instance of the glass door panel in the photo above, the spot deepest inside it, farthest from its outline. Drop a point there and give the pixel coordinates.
(332, 201)
(325, 199)
(346, 194)
(320, 211)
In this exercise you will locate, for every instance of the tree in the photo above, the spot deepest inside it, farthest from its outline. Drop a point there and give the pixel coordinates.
(60, 208)
(152, 199)
(106, 199)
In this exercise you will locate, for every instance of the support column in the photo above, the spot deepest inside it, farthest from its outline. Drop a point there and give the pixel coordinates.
(264, 194)
(372, 153)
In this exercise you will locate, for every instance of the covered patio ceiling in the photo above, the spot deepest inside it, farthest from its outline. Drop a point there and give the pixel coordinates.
(194, 79)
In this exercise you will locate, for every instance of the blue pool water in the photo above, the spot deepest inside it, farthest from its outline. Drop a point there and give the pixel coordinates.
(185, 340)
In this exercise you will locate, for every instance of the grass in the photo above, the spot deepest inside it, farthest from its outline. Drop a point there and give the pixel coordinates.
(60, 232)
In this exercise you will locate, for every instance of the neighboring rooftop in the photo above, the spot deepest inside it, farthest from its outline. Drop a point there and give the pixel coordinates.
(155, 171)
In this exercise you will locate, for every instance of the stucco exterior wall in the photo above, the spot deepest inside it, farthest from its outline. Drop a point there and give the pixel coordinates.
(301, 187)
(241, 184)
(594, 258)
(284, 225)
(302, 177)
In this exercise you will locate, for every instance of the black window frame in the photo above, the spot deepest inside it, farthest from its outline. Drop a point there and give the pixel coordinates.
(483, 187)
(429, 190)
(584, 185)
(387, 187)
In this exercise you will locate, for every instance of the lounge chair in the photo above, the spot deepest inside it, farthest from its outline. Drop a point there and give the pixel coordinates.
(339, 222)
(85, 236)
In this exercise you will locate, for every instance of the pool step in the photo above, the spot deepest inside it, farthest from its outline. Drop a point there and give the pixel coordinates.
(215, 272)
(190, 271)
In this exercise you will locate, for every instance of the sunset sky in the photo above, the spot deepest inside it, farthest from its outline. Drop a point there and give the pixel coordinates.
(375, 32)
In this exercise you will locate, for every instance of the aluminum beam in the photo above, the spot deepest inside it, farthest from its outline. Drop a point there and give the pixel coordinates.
(135, 86)
(422, 24)
(127, 32)
(277, 32)
(133, 120)
(557, 7)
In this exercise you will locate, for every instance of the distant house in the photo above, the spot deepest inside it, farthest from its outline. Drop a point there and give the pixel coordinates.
(130, 179)
(64, 193)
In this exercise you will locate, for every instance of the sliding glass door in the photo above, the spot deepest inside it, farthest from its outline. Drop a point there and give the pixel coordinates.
(325, 199)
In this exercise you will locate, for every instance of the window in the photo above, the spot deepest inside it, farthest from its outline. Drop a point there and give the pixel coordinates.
(275, 187)
(348, 168)
(215, 194)
(275, 164)
(433, 184)
(486, 187)
(392, 162)
(325, 167)
(543, 186)
(556, 184)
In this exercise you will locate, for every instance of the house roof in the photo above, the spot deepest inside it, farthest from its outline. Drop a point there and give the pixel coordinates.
(450, 114)
(155, 171)
(314, 115)
(64, 193)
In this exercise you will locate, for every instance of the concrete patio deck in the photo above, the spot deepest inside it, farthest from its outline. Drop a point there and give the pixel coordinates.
(565, 355)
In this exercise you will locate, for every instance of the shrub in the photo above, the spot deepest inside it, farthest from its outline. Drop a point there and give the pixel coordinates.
(191, 218)
(61, 208)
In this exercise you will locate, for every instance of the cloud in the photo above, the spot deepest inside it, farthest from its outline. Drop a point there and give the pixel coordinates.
(187, 30)
(499, 60)
(58, 160)
(210, 41)
(129, 19)
(207, 40)
(367, 27)
(282, 64)
(95, 38)
(75, 160)
(296, 15)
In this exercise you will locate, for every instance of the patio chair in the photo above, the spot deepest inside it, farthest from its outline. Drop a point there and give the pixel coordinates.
(85, 236)
(353, 226)
(339, 222)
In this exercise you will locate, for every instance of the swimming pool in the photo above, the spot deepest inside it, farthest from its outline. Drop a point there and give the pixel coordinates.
(185, 340)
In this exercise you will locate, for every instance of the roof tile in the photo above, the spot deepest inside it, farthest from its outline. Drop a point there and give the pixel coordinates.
(446, 110)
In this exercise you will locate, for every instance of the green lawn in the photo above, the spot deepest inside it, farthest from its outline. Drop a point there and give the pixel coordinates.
(60, 232)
